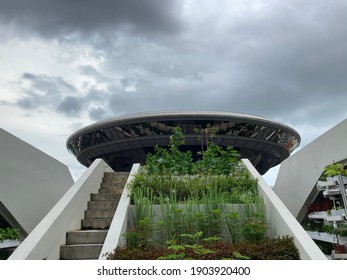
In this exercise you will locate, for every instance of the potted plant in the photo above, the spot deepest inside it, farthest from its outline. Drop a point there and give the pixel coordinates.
(340, 248)
(9, 237)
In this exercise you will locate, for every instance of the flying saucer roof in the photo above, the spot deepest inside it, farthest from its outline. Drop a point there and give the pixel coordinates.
(122, 141)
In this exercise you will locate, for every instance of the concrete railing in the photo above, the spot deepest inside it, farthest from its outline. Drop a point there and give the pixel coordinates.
(282, 222)
(45, 240)
(115, 236)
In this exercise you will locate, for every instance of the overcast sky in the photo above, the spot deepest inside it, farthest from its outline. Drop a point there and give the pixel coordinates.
(65, 64)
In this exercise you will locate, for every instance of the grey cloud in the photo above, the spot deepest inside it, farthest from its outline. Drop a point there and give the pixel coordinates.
(28, 76)
(29, 102)
(70, 106)
(97, 114)
(48, 85)
(89, 70)
(52, 18)
(54, 93)
(286, 61)
(48, 92)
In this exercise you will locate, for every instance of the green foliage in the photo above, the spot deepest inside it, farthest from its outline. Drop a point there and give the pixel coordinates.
(254, 231)
(341, 230)
(325, 247)
(281, 248)
(238, 256)
(214, 160)
(234, 224)
(194, 244)
(9, 233)
(335, 169)
(140, 235)
(193, 198)
(171, 172)
(170, 161)
(234, 189)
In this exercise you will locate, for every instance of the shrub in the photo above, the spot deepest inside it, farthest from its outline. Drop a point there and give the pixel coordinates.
(281, 248)
(254, 231)
(9, 233)
(193, 197)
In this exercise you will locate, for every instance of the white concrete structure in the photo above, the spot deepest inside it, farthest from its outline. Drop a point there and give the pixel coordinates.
(31, 182)
(297, 177)
(282, 222)
(45, 240)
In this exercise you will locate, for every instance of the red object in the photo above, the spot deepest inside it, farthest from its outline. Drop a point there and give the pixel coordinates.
(340, 249)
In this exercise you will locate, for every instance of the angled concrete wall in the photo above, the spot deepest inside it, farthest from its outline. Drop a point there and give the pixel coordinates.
(31, 182)
(45, 240)
(282, 222)
(296, 179)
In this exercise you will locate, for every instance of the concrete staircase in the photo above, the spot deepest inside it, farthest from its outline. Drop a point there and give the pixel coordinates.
(87, 243)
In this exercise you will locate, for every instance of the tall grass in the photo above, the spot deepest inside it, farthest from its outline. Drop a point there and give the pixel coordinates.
(175, 220)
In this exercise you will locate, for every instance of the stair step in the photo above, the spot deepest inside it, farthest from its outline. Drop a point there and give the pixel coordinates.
(96, 223)
(87, 243)
(118, 183)
(116, 174)
(80, 252)
(104, 196)
(98, 214)
(103, 205)
(112, 185)
(115, 177)
(111, 190)
(86, 237)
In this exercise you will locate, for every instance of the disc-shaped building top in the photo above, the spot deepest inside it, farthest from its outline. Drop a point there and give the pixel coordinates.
(122, 141)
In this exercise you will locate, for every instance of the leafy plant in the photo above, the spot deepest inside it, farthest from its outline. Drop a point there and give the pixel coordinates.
(340, 230)
(254, 231)
(194, 244)
(193, 198)
(238, 256)
(141, 234)
(9, 233)
(335, 169)
(234, 225)
(280, 248)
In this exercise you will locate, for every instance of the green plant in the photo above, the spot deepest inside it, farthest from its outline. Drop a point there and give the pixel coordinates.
(325, 247)
(176, 252)
(193, 198)
(234, 225)
(141, 234)
(341, 230)
(170, 161)
(335, 169)
(9, 233)
(194, 243)
(254, 230)
(280, 248)
(239, 256)
(132, 238)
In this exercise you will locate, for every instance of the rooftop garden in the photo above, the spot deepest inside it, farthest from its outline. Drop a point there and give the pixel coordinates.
(203, 209)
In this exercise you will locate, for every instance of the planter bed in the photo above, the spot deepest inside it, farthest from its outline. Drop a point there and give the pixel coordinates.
(281, 248)
(8, 243)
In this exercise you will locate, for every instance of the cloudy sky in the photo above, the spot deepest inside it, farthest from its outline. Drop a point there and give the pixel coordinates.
(65, 64)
